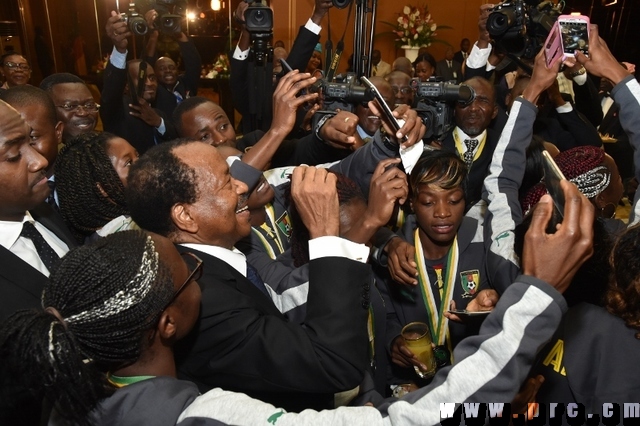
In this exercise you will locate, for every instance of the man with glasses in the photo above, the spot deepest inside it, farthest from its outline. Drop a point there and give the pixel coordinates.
(15, 70)
(401, 85)
(368, 122)
(74, 103)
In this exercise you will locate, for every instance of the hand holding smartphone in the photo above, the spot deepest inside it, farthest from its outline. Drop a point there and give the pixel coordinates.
(574, 34)
(395, 123)
(552, 177)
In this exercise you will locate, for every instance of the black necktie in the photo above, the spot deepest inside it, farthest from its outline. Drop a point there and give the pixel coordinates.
(51, 199)
(254, 277)
(468, 156)
(48, 256)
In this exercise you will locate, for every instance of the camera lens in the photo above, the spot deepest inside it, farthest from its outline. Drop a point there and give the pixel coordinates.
(138, 26)
(341, 4)
(258, 16)
(499, 22)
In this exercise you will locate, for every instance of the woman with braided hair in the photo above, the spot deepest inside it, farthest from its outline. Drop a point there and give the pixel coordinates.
(91, 173)
(113, 309)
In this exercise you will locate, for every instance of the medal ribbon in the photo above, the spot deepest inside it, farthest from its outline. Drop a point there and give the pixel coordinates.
(438, 323)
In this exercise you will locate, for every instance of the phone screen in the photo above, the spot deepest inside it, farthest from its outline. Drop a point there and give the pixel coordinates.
(383, 104)
(575, 36)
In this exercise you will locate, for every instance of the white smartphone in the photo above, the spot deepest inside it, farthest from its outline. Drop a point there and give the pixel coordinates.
(574, 31)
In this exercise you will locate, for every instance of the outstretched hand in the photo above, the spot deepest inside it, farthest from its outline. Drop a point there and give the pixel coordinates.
(555, 258)
(315, 195)
(286, 100)
(542, 78)
(601, 61)
(413, 127)
(118, 31)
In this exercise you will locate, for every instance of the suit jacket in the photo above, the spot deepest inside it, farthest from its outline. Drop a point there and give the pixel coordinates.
(243, 343)
(21, 285)
(458, 57)
(382, 69)
(443, 70)
(241, 77)
(480, 167)
(116, 119)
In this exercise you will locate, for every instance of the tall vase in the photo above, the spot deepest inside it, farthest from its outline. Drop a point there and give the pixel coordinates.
(411, 52)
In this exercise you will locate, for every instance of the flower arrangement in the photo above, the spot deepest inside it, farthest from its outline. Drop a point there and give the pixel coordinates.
(220, 67)
(414, 27)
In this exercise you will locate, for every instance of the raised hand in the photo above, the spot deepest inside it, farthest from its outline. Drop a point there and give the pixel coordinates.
(286, 101)
(146, 113)
(601, 61)
(118, 31)
(315, 196)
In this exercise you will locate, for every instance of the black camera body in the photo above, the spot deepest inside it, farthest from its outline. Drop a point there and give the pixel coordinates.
(435, 104)
(520, 27)
(344, 95)
(258, 20)
(170, 15)
(134, 20)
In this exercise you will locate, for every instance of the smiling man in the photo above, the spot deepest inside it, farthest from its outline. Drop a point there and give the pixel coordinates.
(15, 69)
(183, 190)
(32, 236)
(74, 103)
(369, 123)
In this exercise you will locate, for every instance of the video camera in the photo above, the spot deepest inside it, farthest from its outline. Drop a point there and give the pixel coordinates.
(345, 94)
(168, 21)
(520, 27)
(259, 22)
(436, 100)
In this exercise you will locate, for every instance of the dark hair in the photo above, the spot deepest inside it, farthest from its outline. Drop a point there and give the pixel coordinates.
(10, 53)
(21, 96)
(533, 169)
(348, 191)
(186, 106)
(108, 294)
(438, 167)
(623, 296)
(425, 57)
(59, 78)
(158, 181)
(90, 192)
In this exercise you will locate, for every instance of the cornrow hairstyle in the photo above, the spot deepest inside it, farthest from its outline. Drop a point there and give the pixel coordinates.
(158, 181)
(582, 165)
(623, 295)
(21, 96)
(348, 192)
(89, 190)
(439, 168)
(108, 294)
(184, 107)
(59, 78)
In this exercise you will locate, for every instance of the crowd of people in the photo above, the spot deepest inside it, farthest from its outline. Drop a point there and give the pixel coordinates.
(167, 271)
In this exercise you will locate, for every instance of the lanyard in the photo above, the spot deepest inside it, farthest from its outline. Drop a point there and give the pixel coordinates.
(481, 140)
(271, 231)
(438, 323)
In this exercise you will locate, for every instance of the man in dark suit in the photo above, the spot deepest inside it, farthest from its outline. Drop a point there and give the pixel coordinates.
(184, 190)
(448, 68)
(32, 235)
(461, 55)
(472, 139)
(141, 125)
(256, 113)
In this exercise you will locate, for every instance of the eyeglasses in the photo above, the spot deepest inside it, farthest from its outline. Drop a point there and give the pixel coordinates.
(404, 90)
(88, 107)
(196, 272)
(14, 66)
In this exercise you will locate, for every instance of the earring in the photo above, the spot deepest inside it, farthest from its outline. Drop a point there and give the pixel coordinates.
(612, 215)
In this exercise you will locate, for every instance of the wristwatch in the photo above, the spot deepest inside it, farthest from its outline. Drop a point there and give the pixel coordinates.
(579, 72)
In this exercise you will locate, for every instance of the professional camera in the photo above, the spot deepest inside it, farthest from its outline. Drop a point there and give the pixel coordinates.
(135, 21)
(170, 15)
(345, 94)
(341, 4)
(436, 100)
(259, 22)
(520, 27)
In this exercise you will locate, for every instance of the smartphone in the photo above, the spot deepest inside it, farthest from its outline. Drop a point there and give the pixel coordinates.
(136, 95)
(574, 32)
(552, 177)
(395, 123)
(286, 66)
(464, 313)
(553, 46)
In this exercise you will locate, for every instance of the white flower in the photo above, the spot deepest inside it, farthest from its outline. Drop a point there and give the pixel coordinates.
(405, 25)
(433, 27)
(415, 36)
(417, 12)
(406, 10)
(420, 28)
(399, 19)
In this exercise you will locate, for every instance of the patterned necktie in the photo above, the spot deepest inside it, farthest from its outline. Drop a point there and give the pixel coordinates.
(48, 256)
(178, 96)
(254, 277)
(471, 144)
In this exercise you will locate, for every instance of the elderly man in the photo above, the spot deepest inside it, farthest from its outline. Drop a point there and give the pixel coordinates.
(183, 190)
(15, 70)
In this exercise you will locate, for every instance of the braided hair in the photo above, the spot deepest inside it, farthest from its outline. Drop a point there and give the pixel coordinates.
(348, 192)
(623, 295)
(89, 190)
(107, 295)
(582, 165)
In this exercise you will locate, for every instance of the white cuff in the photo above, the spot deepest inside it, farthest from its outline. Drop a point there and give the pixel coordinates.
(232, 159)
(161, 128)
(565, 108)
(478, 58)
(490, 67)
(117, 59)
(330, 246)
(240, 55)
(580, 79)
(313, 27)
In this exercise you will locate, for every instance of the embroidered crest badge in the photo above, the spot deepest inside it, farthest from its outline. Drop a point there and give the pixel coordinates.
(470, 282)
(284, 224)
